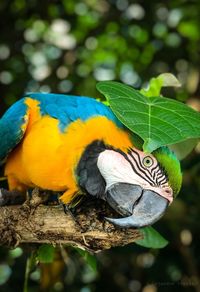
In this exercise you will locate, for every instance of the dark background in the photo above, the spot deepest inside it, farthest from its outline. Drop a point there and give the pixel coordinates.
(67, 46)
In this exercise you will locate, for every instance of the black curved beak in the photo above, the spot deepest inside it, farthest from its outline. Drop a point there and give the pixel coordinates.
(141, 207)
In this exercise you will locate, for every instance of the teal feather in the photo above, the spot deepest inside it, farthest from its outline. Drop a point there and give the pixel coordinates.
(10, 127)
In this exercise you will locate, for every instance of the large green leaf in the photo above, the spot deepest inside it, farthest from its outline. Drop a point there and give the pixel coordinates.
(151, 238)
(157, 120)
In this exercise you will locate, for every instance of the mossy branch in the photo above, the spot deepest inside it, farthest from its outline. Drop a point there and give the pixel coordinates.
(36, 223)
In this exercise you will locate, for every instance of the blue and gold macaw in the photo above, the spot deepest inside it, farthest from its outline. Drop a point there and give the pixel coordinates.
(74, 144)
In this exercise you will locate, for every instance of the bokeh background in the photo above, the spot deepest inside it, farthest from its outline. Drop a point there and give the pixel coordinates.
(66, 46)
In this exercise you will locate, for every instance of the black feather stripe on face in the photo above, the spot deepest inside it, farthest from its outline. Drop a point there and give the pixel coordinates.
(89, 176)
(140, 170)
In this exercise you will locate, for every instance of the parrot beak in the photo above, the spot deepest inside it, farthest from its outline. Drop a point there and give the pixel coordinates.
(141, 207)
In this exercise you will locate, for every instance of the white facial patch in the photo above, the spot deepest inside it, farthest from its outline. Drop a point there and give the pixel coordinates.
(115, 168)
(138, 168)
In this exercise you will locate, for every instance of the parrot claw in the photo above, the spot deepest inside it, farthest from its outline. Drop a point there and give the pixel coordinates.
(67, 210)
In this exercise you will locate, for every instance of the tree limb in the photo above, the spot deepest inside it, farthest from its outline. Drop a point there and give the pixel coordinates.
(34, 223)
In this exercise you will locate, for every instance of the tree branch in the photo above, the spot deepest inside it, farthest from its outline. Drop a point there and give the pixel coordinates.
(34, 223)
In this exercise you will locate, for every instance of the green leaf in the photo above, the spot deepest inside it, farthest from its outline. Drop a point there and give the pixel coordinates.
(45, 253)
(169, 80)
(159, 121)
(156, 84)
(89, 258)
(154, 88)
(182, 149)
(152, 239)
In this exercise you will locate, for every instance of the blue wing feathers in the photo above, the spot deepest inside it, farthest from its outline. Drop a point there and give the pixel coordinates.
(10, 127)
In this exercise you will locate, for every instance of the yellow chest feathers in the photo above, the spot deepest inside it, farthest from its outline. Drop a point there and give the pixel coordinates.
(47, 157)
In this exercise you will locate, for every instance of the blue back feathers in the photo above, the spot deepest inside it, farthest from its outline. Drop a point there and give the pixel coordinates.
(68, 108)
(65, 108)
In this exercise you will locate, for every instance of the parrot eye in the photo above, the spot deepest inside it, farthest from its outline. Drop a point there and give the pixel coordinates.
(147, 161)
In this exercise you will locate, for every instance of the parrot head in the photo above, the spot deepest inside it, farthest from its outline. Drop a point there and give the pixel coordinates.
(139, 186)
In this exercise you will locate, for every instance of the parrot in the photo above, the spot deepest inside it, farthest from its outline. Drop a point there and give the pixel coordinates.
(75, 145)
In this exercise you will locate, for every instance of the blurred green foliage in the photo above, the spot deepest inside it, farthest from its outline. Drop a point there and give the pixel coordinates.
(67, 46)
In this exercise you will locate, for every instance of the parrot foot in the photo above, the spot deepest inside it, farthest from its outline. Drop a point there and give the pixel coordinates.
(11, 197)
(38, 197)
(67, 210)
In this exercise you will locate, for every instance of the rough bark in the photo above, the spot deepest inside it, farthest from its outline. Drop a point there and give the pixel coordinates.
(36, 223)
